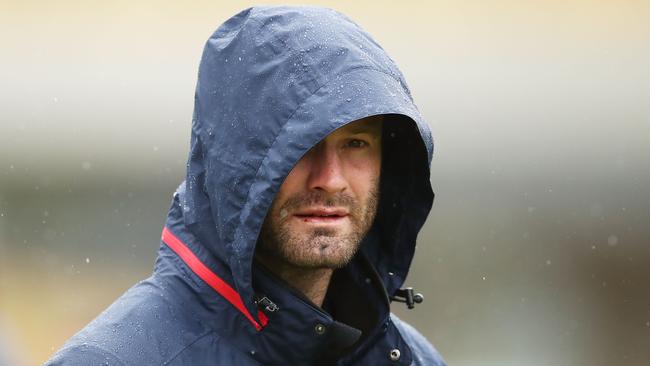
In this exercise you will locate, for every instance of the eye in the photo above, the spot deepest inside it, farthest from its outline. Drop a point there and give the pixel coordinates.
(356, 143)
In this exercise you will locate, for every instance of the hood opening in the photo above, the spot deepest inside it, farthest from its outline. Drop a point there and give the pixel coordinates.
(272, 83)
(406, 199)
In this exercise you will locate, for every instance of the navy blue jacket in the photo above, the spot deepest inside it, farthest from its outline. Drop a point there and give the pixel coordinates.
(273, 82)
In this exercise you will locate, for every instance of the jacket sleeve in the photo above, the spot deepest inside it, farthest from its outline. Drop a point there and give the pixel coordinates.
(424, 354)
(83, 355)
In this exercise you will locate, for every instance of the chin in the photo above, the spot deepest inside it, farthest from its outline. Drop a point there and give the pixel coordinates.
(320, 263)
(333, 252)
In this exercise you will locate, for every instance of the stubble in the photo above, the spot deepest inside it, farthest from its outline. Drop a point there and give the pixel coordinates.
(320, 247)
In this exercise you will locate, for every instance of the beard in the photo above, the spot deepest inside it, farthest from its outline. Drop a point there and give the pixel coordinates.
(317, 248)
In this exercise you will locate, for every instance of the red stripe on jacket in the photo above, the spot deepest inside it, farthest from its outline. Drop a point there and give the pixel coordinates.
(214, 281)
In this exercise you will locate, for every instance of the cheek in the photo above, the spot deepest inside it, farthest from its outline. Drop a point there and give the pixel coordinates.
(368, 160)
(363, 175)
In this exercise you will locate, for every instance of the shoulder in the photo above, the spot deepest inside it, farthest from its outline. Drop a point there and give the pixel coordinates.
(423, 352)
(84, 354)
(141, 327)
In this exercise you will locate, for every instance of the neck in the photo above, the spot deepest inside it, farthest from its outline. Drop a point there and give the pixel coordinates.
(311, 282)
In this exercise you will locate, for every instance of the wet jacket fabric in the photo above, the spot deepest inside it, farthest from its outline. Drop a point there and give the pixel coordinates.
(272, 83)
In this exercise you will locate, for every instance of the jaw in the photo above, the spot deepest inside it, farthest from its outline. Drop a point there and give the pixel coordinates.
(314, 244)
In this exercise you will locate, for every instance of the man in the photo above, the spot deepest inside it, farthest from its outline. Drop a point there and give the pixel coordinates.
(307, 183)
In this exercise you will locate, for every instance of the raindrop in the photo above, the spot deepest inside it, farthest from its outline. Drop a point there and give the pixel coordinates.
(612, 240)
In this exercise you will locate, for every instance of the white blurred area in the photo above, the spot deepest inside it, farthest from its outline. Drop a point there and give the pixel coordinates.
(536, 251)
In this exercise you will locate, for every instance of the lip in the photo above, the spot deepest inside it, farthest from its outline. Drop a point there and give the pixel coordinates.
(322, 215)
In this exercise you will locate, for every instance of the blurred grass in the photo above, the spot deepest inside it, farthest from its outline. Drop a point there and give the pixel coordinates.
(44, 307)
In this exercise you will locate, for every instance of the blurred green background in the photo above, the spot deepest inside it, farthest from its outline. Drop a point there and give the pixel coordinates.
(535, 253)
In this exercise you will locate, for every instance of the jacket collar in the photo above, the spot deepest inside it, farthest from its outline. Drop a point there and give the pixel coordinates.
(292, 329)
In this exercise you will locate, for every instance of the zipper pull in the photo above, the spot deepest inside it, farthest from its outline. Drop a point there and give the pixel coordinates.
(408, 296)
(265, 303)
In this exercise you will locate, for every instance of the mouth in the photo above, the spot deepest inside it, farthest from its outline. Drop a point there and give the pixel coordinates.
(322, 215)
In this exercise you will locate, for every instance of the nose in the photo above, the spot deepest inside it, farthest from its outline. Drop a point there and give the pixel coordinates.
(325, 169)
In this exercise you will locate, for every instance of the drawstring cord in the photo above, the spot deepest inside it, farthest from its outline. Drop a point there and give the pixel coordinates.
(408, 296)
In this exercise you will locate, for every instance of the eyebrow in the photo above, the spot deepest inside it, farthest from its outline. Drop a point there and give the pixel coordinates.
(365, 128)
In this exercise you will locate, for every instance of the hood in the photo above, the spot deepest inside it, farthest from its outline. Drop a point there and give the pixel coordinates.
(272, 83)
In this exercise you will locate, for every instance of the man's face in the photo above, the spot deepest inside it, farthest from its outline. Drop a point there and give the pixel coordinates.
(328, 201)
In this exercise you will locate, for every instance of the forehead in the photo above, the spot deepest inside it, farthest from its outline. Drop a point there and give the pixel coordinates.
(369, 125)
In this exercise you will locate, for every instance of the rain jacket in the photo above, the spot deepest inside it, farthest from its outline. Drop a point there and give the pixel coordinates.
(272, 83)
